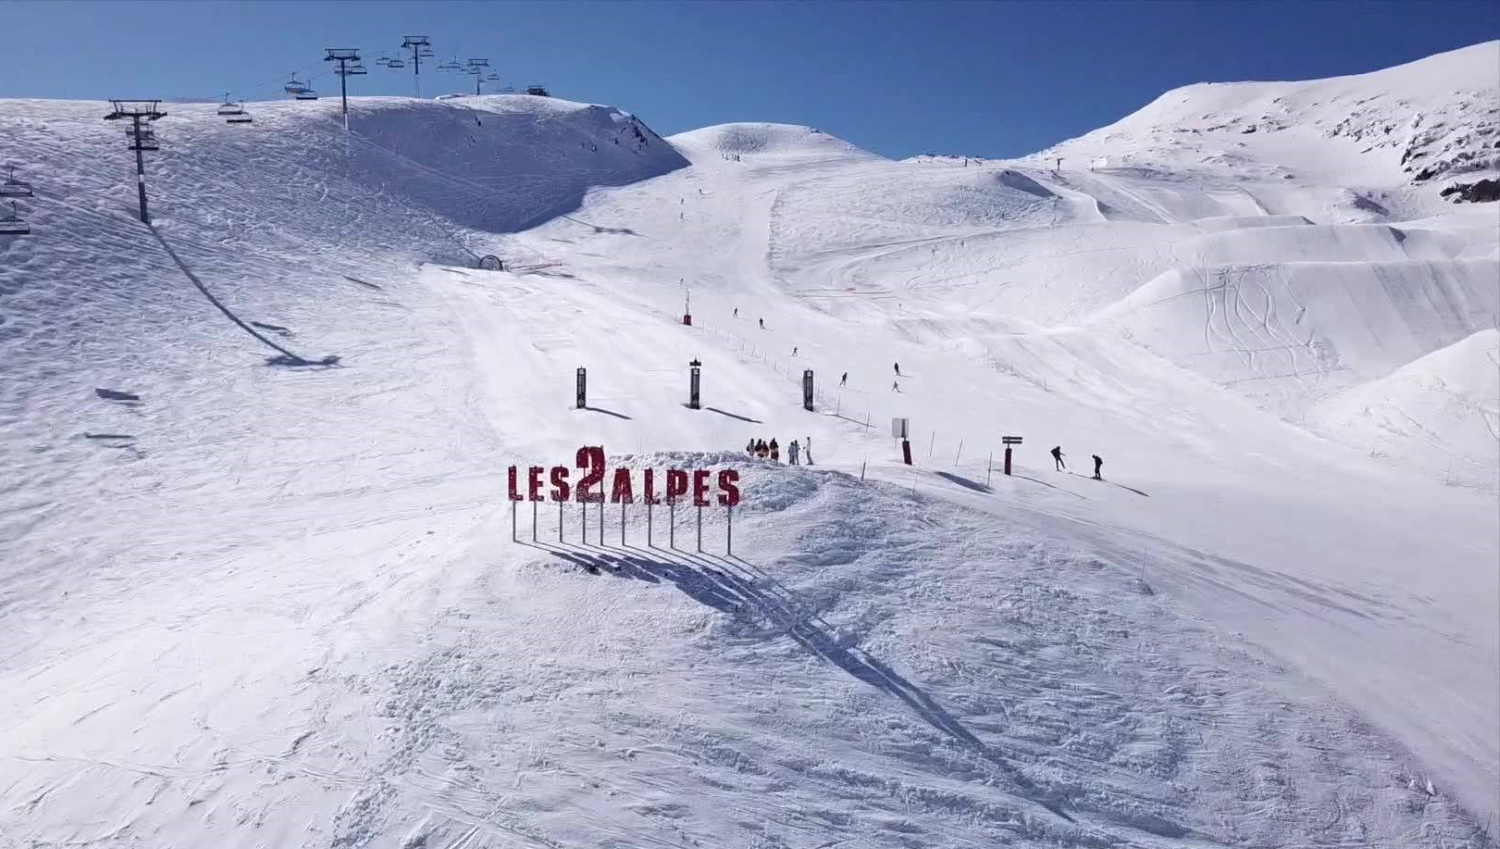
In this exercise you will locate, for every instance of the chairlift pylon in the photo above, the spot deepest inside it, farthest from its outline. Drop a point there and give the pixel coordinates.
(12, 224)
(13, 188)
(144, 140)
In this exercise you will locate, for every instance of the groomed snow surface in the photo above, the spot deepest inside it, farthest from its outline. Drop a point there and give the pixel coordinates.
(272, 605)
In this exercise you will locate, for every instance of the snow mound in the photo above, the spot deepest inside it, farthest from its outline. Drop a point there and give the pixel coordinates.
(1418, 123)
(501, 163)
(1441, 408)
(1241, 222)
(788, 141)
(1291, 333)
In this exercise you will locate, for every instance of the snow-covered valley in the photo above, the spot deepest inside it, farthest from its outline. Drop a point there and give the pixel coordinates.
(279, 605)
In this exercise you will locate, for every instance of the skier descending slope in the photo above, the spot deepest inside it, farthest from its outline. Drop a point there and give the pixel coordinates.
(1098, 464)
(1057, 459)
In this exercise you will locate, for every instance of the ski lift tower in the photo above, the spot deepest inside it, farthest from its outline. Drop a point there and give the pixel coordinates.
(137, 112)
(421, 48)
(349, 65)
(478, 68)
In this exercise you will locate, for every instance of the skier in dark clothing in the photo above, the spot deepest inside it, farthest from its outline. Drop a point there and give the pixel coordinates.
(750, 448)
(762, 324)
(898, 368)
(1057, 458)
(845, 379)
(775, 451)
(1098, 464)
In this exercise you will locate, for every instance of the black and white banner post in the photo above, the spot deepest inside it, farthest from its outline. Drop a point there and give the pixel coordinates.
(807, 389)
(513, 509)
(559, 521)
(694, 402)
(622, 524)
(729, 534)
(583, 387)
(700, 529)
(649, 543)
(672, 523)
(535, 508)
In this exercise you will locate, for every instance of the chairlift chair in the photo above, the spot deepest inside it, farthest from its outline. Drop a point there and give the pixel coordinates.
(396, 64)
(306, 94)
(451, 65)
(240, 117)
(229, 109)
(13, 188)
(296, 88)
(12, 224)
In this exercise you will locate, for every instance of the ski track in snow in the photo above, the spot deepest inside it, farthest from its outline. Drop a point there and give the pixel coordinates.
(279, 606)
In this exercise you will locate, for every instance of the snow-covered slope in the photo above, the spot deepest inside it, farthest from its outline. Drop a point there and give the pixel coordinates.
(766, 141)
(1427, 123)
(273, 606)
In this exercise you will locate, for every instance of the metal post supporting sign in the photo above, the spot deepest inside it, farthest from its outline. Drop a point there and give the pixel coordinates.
(1008, 441)
(694, 401)
(901, 429)
(807, 389)
(583, 381)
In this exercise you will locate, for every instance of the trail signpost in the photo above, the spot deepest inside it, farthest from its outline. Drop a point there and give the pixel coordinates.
(901, 429)
(1008, 441)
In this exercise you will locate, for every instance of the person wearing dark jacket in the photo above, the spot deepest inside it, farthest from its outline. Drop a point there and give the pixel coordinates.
(1098, 464)
(1057, 459)
(775, 451)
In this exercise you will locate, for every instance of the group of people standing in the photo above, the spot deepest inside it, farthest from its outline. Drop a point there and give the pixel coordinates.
(1060, 466)
(795, 452)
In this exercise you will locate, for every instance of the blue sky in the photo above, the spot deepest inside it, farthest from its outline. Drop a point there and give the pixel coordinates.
(976, 78)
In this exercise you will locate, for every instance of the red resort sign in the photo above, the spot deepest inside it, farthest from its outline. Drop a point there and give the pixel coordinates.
(595, 484)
